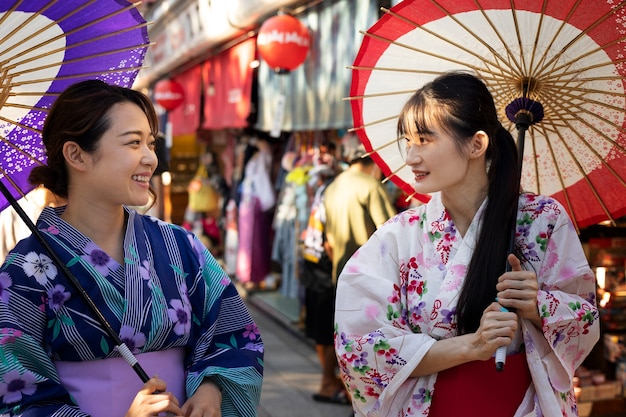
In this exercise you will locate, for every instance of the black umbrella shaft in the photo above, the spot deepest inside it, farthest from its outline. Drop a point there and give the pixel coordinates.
(103, 321)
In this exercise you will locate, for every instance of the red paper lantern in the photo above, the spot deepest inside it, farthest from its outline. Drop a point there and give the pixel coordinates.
(169, 94)
(283, 42)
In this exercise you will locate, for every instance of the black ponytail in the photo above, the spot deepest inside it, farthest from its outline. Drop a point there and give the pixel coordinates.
(489, 258)
(462, 105)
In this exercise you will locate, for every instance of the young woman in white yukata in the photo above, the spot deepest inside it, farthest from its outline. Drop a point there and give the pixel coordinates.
(154, 282)
(423, 306)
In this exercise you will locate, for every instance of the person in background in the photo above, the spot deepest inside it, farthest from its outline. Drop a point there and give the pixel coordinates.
(423, 306)
(356, 204)
(13, 228)
(319, 288)
(155, 283)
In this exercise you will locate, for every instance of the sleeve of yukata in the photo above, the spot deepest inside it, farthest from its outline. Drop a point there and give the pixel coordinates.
(29, 383)
(566, 302)
(376, 347)
(228, 347)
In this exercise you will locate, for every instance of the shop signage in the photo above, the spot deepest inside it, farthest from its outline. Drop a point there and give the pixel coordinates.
(169, 94)
(283, 42)
(183, 30)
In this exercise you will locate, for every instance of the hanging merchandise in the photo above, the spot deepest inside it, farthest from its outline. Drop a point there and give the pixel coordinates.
(203, 198)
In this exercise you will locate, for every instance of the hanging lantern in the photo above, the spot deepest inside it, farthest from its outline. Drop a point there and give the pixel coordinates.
(169, 94)
(283, 42)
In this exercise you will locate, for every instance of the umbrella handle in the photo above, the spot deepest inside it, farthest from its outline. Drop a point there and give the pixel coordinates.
(120, 345)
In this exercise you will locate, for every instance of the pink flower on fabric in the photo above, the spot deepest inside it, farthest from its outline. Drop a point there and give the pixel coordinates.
(180, 315)
(99, 259)
(5, 283)
(9, 335)
(372, 311)
(40, 267)
(133, 341)
(57, 296)
(14, 386)
(251, 332)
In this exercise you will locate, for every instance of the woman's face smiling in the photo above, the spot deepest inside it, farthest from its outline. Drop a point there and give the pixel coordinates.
(125, 159)
(436, 160)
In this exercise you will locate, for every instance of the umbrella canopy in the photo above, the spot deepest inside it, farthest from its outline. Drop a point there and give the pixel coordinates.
(45, 46)
(564, 59)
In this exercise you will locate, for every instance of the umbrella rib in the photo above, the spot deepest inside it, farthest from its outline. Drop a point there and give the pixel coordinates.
(409, 70)
(584, 174)
(480, 58)
(394, 173)
(43, 29)
(565, 69)
(24, 106)
(375, 122)
(75, 30)
(72, 61)
(421, 51)
(373, 95)
(544, 57)
(566, 110)
(568, 202)
(15, 147)
(480, 40)
(24, 23)
(583, 33)
(84, 74)
(6, 176)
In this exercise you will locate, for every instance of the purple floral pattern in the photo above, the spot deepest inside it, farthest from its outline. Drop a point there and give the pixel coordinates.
(163, 297)
(5, 283)
(99, 259)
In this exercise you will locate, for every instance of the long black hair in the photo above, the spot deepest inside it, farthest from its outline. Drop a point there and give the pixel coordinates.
(462, 105)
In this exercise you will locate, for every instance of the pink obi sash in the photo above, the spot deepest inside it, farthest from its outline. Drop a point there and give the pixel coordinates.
(476, 389)
(107, 387)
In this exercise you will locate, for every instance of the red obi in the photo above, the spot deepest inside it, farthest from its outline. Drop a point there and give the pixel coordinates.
(476, 389)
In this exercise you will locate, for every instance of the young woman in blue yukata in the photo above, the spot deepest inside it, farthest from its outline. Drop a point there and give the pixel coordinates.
(154, 282)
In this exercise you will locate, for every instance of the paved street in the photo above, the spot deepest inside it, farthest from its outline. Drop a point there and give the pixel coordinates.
(291, 374)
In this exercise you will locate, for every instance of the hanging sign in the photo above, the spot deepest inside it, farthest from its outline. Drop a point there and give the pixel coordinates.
(169, 94)
(283, 42)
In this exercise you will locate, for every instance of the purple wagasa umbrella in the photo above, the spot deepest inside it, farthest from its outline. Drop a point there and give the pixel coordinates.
(45, 46)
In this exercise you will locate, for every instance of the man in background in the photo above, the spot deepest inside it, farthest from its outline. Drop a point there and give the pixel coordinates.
(356, 205)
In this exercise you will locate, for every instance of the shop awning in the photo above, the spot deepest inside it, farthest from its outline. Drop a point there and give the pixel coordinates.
(185, 118)
(315, 91)
(227, 87)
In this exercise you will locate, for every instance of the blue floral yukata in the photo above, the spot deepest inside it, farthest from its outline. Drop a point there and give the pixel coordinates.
(397, 296)
(170, 293)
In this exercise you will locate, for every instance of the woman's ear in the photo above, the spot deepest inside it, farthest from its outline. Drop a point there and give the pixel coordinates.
(479, 144)
(74, 156)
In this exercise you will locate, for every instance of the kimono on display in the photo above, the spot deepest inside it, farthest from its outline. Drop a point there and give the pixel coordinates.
(255, 218)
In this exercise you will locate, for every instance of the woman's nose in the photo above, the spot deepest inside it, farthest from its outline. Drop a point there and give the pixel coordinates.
(412, 154)
(150, 157)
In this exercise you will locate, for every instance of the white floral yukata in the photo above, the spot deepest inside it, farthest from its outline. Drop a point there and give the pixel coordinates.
(397, 295)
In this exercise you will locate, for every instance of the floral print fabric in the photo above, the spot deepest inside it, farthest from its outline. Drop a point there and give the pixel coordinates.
(397, 296)
(169, 293)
